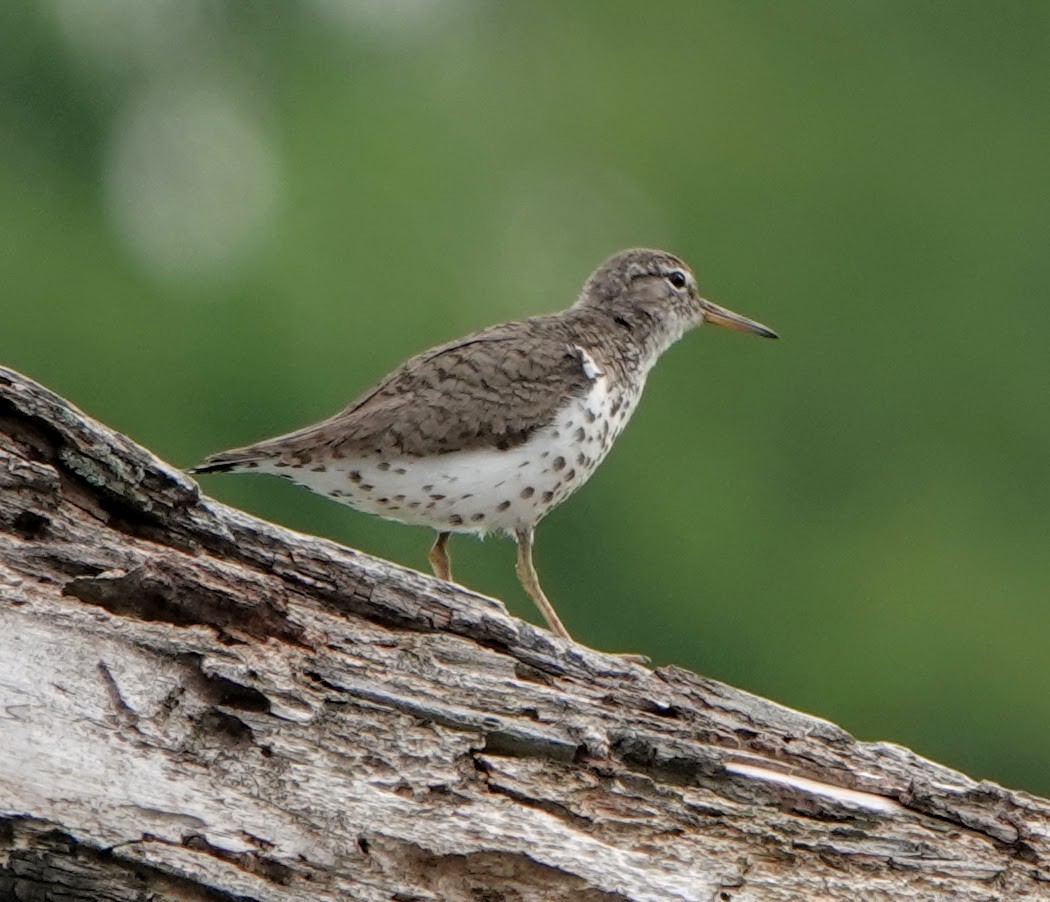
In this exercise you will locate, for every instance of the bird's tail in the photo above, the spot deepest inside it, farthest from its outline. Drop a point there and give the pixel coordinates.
(229, 461)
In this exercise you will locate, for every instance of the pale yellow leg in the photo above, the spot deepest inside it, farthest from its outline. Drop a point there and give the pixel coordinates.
(531, 582)
(439, 561)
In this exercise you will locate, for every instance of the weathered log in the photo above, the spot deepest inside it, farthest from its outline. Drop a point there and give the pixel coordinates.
(196, 704)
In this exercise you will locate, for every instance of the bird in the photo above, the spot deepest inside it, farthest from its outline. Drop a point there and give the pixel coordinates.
(491, 432)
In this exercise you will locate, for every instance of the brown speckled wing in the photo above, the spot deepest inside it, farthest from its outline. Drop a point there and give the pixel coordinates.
(491, 389)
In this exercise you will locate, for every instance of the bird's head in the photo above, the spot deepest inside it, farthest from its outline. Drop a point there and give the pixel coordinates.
(655, 293)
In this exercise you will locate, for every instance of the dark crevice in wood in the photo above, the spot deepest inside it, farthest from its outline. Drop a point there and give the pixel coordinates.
(253, 862)
(44, 863)
(158, 592)
(548, 806)
(226, 693)
(681, 766)
(31, 526)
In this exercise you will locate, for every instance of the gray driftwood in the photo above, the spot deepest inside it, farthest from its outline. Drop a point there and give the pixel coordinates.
(195, 704)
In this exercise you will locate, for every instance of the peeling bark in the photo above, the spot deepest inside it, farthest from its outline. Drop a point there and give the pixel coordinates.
(198, 705)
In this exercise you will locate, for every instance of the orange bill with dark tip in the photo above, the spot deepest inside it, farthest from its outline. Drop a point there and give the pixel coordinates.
(720, 316)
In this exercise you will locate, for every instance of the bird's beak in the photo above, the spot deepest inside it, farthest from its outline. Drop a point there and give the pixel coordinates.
(712, 313)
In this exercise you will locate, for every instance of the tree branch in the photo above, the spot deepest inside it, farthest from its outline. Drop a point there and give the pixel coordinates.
(195, 704)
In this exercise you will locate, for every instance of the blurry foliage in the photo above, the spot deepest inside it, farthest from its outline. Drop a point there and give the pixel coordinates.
(853, 521)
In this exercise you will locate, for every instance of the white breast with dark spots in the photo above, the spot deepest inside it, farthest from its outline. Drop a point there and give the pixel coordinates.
(488, 490)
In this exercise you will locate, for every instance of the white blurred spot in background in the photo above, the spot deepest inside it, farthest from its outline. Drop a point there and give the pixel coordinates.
(190, 177)
(191, 180)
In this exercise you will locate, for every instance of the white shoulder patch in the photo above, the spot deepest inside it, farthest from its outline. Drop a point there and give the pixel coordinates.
(590, 368)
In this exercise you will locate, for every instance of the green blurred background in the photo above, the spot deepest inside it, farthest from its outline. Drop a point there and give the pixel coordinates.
(224, 220)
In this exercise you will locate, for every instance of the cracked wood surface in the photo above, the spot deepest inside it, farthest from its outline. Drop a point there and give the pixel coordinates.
(195, 704)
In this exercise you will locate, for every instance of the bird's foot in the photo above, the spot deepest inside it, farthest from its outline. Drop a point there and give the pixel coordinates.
(644, 660)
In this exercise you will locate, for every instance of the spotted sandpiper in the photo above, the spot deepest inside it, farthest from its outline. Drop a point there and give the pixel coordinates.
(491, 432)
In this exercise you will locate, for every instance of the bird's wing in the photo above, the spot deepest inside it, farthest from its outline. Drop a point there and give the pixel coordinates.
(492, 389)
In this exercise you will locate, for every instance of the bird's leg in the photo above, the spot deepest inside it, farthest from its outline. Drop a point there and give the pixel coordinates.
(531, 583)
(439, 561)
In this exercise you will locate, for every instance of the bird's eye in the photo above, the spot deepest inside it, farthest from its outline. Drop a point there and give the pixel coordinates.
(677, 278)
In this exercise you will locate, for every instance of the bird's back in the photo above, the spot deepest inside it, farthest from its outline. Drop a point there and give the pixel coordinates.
(491, 389)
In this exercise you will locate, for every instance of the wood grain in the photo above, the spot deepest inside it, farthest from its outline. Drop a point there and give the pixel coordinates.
(195, 704)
